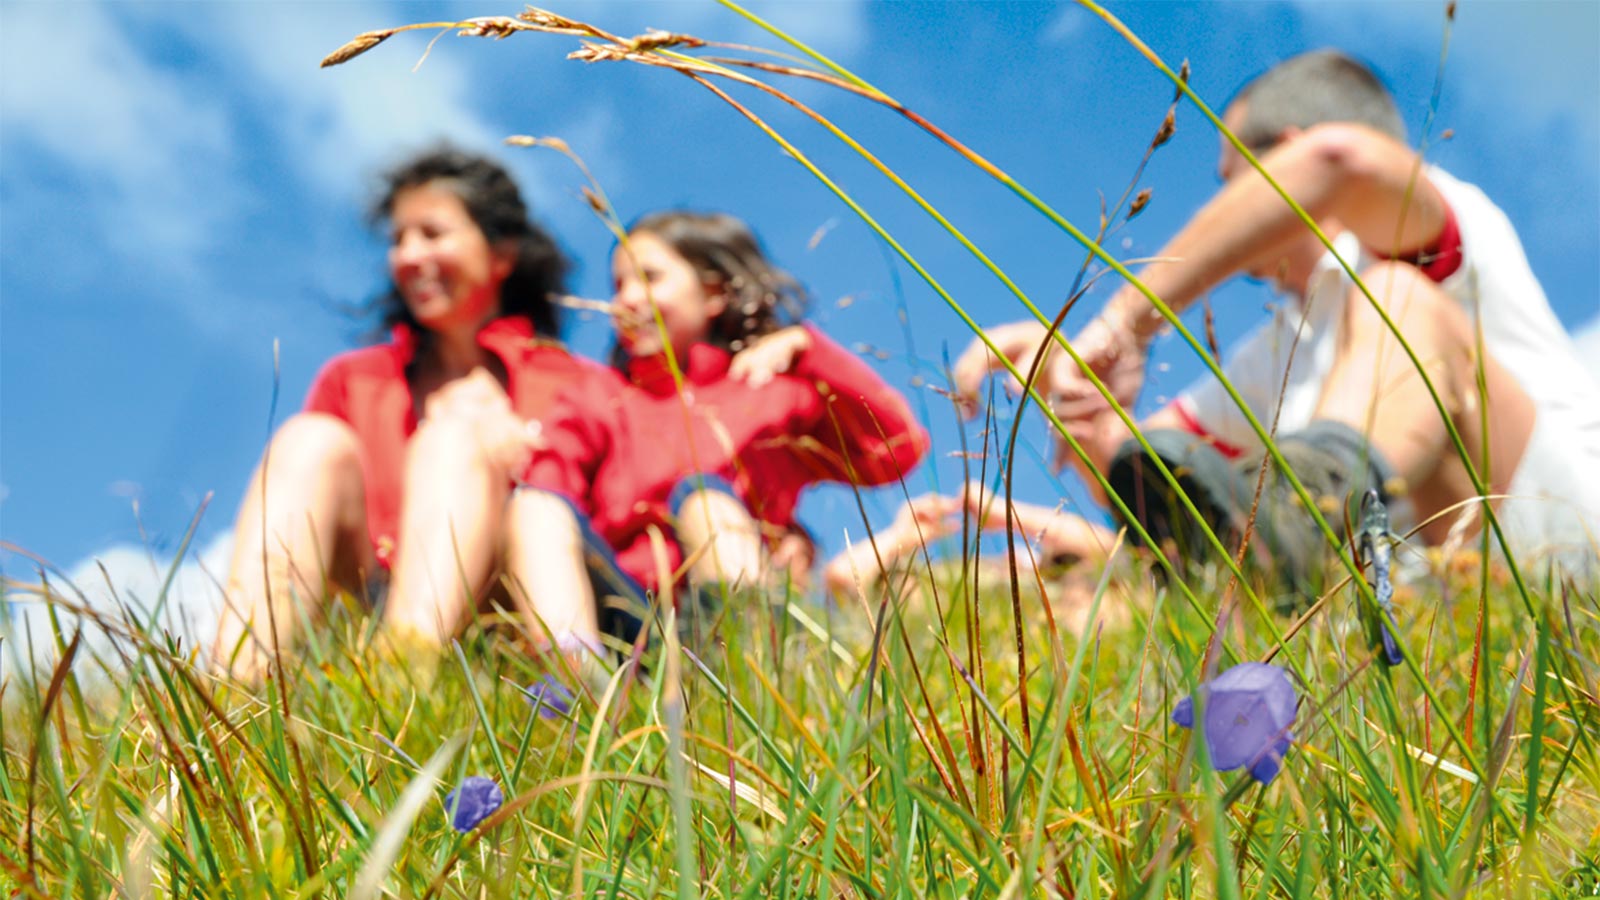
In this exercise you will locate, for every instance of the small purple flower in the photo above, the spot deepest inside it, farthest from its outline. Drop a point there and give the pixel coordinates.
(476, 800)
(549, 697)
(1248, 711)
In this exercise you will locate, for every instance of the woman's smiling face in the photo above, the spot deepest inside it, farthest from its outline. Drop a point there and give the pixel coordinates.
(445, 269)
(647, 270)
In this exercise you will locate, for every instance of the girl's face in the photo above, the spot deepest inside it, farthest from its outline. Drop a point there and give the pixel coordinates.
(647, 270)
(446, 270)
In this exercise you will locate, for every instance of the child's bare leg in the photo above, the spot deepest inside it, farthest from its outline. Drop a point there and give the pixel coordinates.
(302, 521)
(549, 579)
(1374, 388)
(451, 528)
(722, 538)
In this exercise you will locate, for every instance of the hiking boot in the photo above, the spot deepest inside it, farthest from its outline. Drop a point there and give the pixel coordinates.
(1333, 462)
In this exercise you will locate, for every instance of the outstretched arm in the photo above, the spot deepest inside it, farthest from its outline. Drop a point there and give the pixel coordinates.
(1061, 535)
(923, 519)
(1368, 182)
(867, 432)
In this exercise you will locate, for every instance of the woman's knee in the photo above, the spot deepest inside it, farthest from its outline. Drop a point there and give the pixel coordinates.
(543, 519)
(701, 493)
(311, 444)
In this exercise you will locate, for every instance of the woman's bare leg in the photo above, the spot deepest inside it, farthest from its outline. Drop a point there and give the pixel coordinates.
(451, 532)
(549, 580)
(302, 525)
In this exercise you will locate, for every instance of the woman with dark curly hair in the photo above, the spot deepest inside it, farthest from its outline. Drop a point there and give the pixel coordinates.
(398, 469)
(720, 415)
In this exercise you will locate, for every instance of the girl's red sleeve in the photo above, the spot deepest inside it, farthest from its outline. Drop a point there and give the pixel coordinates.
(575, 438)
(867, 430)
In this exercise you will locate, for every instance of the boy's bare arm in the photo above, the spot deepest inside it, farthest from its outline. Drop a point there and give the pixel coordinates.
(1361, 178)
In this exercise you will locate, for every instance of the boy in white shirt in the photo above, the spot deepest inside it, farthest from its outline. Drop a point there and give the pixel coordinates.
(1350, 408)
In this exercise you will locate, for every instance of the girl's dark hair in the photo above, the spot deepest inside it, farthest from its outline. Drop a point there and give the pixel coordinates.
(761, 298)
(495, 204)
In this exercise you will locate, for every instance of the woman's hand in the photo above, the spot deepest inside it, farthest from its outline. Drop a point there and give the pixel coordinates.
(477, 393)
(479, 402)
(770, 355)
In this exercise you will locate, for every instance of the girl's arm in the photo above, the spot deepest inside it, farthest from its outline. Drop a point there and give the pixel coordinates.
(573, 440)
(867, 432)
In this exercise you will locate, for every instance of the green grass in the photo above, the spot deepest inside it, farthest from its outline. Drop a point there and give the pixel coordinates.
(913, 777)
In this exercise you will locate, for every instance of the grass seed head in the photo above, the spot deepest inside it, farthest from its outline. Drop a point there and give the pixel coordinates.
(356, 46)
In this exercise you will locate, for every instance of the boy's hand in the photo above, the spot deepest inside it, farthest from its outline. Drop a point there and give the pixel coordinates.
(1115, 353)
(1018, 342)
(770, 356)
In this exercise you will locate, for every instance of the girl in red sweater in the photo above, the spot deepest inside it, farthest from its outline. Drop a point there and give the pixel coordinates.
(713, 460)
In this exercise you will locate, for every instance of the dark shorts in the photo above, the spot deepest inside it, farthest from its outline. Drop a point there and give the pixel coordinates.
(623, 604)
(625, 607)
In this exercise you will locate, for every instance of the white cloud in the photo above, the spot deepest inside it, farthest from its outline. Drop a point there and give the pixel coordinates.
(836, 29)
(1066, 25)
(335, 126)
(1587, 338)
(1518, 58)
(839, 29)
(137, 137)
(121, 581)
(168, 129)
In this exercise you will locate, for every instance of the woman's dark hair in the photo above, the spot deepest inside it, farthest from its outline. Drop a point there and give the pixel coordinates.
(495, 204)
(761, 298)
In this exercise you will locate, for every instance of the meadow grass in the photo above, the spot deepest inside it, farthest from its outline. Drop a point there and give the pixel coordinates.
(775, 755)
(944, 734)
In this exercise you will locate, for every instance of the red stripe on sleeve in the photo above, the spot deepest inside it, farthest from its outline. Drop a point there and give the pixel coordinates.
(1193, 426)
(1442, 257)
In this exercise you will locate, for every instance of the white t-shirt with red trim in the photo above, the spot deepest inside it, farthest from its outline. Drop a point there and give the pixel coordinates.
(1555, 501)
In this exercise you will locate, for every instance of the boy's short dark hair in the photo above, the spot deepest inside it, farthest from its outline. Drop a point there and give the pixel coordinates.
(1312, 88)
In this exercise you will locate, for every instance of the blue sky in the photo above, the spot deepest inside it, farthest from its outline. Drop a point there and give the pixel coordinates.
(180, 186)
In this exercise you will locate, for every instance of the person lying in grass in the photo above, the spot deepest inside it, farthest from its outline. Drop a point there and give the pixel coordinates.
(1351, 410)
(397, 471)
(694, 454)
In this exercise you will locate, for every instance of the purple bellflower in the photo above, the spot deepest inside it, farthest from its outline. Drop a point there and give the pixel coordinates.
(1248, 711)
(550, 698)
(476, 800)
